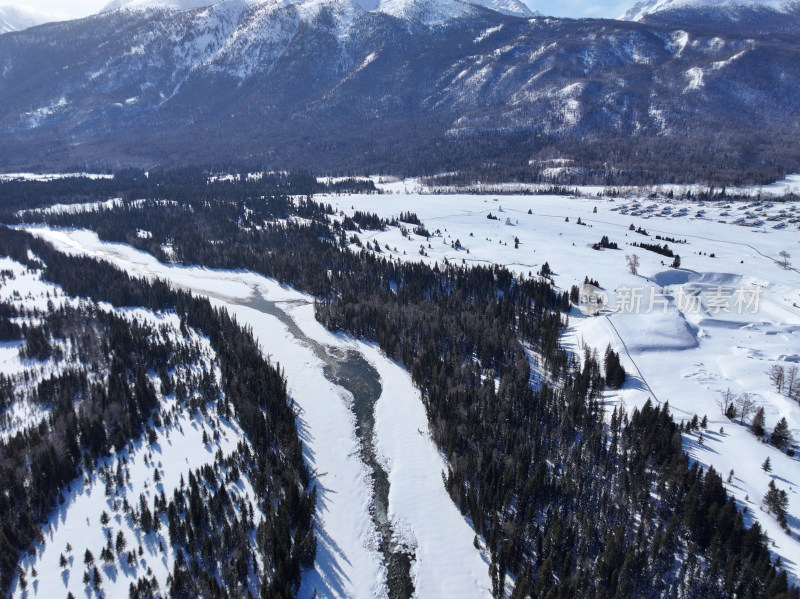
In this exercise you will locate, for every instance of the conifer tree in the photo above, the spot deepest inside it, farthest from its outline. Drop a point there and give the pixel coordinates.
(758, 423)
(777, 502)
(781, 437)
(615, 372)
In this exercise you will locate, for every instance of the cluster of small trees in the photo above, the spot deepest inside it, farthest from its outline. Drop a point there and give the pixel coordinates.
(654, 247)
(670, 239)
(742, 406)
(605, 244)
(409, 217)
(639, 230)
(658, 249)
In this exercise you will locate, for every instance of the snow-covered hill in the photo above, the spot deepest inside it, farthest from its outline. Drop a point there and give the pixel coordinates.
(137, 428)
(95, 507)
(17, 18)
(649, 7)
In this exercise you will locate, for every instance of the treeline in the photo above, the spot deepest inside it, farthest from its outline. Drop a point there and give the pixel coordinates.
(652, 160)
(670, 239)
(172, 185)
(568, 505)
(654, 247)
(250, 389)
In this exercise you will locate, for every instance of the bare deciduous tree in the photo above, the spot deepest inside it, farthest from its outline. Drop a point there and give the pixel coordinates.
(744, 405)
(777, 376)
(726, 400)
(633, 263)
(792, 383)
(784, 261)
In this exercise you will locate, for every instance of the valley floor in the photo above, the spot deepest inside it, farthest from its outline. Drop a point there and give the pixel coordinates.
(676, 349)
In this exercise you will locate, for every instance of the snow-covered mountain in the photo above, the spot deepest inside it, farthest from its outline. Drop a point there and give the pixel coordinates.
(17, 18)
(508, 7)
(649, 7)
(427, 11)
(168, 4)
(395, 83)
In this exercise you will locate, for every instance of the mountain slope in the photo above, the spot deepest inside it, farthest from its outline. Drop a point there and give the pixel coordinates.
(396, 7)
(169, 4)
(509, 7)
(430, 87)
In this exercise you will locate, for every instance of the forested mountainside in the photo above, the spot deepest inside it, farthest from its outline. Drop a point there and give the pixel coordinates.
(100, 384)
(566, 503)
(433, 86)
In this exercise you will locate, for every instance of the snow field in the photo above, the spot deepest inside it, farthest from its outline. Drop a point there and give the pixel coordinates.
(178, 450)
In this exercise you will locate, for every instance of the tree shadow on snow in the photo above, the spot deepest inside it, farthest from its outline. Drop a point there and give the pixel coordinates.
(327, 579)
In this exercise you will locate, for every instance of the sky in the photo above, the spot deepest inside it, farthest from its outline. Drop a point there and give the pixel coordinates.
(555, 8)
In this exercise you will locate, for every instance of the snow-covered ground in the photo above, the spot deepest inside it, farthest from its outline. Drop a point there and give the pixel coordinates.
(677, 348)
(348, 564)
(179, 449)
(22, 287)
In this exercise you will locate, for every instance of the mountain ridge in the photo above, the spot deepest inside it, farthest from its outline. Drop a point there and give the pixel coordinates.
(445, 9)
(331, 86)
(730, 8)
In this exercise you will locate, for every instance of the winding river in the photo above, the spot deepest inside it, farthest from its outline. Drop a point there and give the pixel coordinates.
(349, 370)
